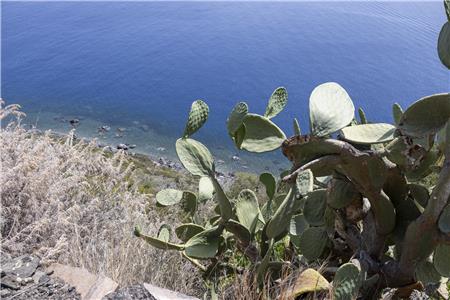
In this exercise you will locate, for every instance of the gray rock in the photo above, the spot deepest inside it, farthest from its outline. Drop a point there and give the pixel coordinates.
(22, 266)
(134, 292)
(9, 281)
(122, 147)
(74, 122)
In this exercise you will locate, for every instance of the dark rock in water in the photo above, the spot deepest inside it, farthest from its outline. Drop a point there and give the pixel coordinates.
(132, 146)
(74, 122)
(122, 147)
(134, 292)
(121, 129)
(104, 128)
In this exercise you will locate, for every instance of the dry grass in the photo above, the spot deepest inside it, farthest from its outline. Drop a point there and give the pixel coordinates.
(71, 203)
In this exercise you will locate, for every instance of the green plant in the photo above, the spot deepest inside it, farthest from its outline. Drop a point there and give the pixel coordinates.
(353, 197)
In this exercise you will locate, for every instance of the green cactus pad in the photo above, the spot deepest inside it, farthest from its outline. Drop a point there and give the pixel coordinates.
(425, 167)
(441, 260)
(205, 189)
(419, 193)
(297, 129)
(157, 243)
(261, 134)
(367, 134)
(330, 109)
(277, 102)
(347, 282)
(239, 136)
(309, 281)
(362, 116)
(197, 117)
(426, 116)
(226, 209)
(426, 273)
(312, 243)
(282, 216)
(247, 209)
(264, 265)
(204, 244)
(315, 205)
(236, 117)
(298, 225)
(304, 182)
(341, 193)
(384, 212)
(164, 233)
(269, 183)
(444, 220)
(189, 202)
(195, 157)
(185, 231)
(397, 112)
(239, 231)
(444, 45)
(169, 197)
(447, 8)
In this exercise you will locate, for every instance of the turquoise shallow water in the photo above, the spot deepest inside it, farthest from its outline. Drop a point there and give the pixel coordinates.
(139, 65)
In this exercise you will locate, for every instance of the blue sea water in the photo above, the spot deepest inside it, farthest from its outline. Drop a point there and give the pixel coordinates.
(139, 65)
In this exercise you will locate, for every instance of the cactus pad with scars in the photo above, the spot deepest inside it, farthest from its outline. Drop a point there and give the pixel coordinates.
(426, 116)
(330, 109)
(277, 102)
(347, 282)
(367, 134)
(197, 117)
(247, 209)
(236, 117)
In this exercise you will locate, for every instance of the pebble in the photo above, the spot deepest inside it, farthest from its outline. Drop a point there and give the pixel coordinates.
(235, 158)
(122, 147)
(74, 122)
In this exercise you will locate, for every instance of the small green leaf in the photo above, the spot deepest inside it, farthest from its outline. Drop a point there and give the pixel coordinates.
(362, 116)
(277, 102)
(297, 130)
(164, 233)
(397, 112)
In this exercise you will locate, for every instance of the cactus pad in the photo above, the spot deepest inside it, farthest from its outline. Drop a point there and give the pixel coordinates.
(441, 260)
(236, 117)
(195, 157)
(330, 109)
(347, 282)
(312, 243)
(362, 116)
(397, 113)
(315, 205)
(226, 210)
(297, 129)
(341, 193)
(419, 193)
(309, 281)
(367, 134)
(426, 116)
(444, 220)
(277, 102)
(164, 233)
(185, 231)
(444, 45)
(189, 202)
(205, 189)
(169, 197)
(197, 117)
(426, 273)
(247, 210)
(298, 225)
(204, 244)
(282, 216)
(269, 183)
(157, 243)
(261, 134)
